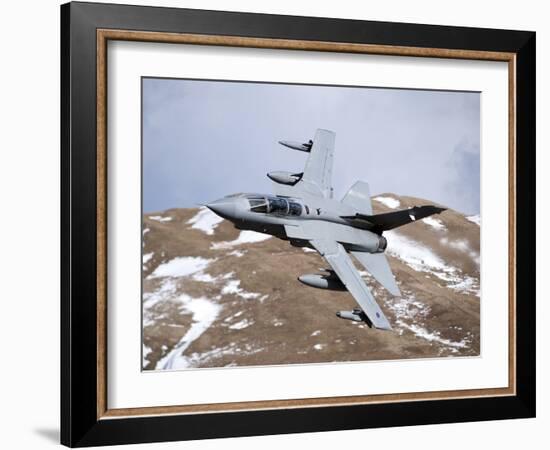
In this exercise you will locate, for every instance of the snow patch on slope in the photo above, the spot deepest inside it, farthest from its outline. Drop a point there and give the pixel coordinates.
(204, 277)
(160, 218)
(475, 219)
(462, 246)
(410, 314)
(245, 237)
(204, 312)
(205, 221)
(233, 287)
(434, 223)
(146, 351)
(245, 323)
(414, 254)
(388, 201)
(468, 285)
(422, 259)
(200, 359)
(181, 267)
(165, 291)
(434, 336)
(408, 307)
(233, 316)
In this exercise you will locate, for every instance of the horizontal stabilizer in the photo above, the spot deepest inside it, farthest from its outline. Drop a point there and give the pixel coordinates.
(377, 265)
(388, 221)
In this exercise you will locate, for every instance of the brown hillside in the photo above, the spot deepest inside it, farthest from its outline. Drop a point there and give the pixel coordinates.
(210, 300)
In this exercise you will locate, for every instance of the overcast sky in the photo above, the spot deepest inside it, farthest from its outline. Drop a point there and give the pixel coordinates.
(206, 139)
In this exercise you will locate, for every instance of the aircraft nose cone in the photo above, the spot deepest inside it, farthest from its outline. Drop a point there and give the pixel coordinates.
(224, 208)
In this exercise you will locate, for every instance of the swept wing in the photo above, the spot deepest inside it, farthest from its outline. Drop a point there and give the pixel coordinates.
(341, 263)
(316, 179)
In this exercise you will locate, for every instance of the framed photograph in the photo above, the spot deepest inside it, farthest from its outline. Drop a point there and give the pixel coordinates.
(277, 224)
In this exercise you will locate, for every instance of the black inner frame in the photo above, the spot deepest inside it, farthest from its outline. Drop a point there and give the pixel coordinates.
(79, 424)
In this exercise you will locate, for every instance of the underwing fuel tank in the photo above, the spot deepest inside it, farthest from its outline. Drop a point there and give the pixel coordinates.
(285, 177)
(356, 315)
(297, 146)
(330, 282)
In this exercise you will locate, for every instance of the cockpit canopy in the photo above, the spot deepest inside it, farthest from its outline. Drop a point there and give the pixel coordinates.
(274, 205)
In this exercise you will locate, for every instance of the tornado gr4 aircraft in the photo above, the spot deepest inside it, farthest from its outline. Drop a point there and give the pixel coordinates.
(303, 212)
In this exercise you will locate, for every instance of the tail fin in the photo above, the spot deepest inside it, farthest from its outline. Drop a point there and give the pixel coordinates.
(358, 197)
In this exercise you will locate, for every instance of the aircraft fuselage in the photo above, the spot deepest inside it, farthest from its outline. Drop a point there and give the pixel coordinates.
(276, 215)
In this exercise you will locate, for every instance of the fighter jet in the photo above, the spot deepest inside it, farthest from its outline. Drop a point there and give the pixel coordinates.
(302, 210)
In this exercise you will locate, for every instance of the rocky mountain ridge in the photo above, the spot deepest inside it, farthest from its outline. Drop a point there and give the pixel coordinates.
(215, 296)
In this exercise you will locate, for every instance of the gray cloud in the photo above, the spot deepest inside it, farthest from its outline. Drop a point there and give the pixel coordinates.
(206, 139)
(464, 182)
